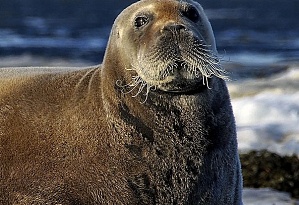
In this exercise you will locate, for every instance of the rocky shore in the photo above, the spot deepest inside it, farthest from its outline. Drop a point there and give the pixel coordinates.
(265, 169)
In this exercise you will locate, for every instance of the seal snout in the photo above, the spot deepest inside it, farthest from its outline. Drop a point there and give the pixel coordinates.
(176, 31)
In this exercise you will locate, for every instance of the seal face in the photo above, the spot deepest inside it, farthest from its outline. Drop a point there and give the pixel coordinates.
(152, 124)
(175, 47)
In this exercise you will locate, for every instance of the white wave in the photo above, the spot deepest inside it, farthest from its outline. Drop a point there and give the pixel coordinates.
(255, 58)
(267, 113)
(266, 196)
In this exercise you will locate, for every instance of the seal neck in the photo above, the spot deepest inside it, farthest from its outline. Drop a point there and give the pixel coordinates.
(161, 114)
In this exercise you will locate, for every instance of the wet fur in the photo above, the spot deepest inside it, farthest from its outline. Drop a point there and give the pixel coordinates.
(76, 137)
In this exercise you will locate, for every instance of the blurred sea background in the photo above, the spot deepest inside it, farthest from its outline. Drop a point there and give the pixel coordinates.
(257, 40)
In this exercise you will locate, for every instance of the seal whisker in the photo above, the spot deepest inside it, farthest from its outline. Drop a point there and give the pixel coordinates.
(137, 83)
(170, 69)
(129, 69)
(132, 85)
(141, 84)
(148, 89)
(202, 49)
(132, 68)
(205, 81)
(207, 63)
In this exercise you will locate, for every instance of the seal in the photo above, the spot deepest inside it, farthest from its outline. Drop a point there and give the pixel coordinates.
(152, 124)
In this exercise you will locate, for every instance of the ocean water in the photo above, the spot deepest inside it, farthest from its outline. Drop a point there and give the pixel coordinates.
(257, 40)
(78, 29)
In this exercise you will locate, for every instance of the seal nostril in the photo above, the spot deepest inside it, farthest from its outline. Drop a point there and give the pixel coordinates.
(174, 27)
(179, 27)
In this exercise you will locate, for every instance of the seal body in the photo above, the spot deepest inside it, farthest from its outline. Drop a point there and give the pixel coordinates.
(152, 125)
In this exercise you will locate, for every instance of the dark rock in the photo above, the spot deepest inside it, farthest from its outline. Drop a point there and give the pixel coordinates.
(266, 169)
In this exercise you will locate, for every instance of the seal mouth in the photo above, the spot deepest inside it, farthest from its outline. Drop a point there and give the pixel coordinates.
(179, 78)
(182, 88)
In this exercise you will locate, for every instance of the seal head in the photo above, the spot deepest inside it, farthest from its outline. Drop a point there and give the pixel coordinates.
(172, 47)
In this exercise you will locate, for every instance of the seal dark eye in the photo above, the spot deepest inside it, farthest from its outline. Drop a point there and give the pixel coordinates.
(191, 13)
(140, 21)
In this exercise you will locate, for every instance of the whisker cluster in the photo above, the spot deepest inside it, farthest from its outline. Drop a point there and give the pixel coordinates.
(136, 85)
(203, 61)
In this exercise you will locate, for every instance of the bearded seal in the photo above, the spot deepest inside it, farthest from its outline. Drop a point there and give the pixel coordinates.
(152, 124)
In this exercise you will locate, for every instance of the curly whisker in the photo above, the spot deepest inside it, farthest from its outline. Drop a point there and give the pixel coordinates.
(136, 85)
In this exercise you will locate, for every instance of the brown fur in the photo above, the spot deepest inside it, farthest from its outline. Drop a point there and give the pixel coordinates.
(72, 137)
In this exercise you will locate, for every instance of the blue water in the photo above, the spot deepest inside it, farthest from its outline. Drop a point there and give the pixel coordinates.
(79, 29)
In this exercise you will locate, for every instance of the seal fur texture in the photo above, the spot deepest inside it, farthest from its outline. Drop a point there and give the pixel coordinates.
(152, 124)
